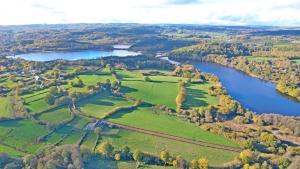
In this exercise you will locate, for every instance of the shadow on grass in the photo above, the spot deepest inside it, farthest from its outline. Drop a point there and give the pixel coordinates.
(193, 100)
(11, 123)
(97, 161)
(125, 89)
(35, 100)
(121, 113)
(35, 95)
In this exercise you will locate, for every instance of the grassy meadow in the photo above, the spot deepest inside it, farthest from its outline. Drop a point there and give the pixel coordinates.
(4, 107)
(99, 105)
(146, 118)
(154, 145)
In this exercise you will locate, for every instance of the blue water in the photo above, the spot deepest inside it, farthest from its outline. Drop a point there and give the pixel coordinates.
(89, 54)
(254, 94)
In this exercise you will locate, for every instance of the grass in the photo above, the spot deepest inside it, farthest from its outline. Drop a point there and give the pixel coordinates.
(4, 107)
(164, 89)
(4, 81)
(24, 134)
(99, 105)
(297, 61)
(72, 130)
(92, 79)
(90, 141)
(197, 96)
(144, 117)
(154, 145)
(35, 101)
(12, 152)
(160, 90)
(56, 115)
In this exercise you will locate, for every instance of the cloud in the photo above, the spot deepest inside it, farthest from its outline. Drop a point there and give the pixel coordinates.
(183, 2)
(224, 12)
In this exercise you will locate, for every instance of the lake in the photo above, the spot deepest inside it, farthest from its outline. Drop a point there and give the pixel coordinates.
(88, 54)
(255, 94)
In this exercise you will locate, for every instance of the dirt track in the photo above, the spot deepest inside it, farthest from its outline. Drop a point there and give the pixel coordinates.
(176, 138)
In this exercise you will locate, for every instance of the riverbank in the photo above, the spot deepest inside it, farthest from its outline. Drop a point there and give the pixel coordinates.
(260, 71)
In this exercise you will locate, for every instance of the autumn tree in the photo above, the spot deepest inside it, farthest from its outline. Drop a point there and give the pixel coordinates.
(117, 157)
(137, 156)
(194, 164)
(180, 98)
(106, 149)
(203, 163)
(246, 156)
(165, 156)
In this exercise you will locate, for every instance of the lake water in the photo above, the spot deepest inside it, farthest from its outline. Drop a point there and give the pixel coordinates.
(254, 94)
(89, 54)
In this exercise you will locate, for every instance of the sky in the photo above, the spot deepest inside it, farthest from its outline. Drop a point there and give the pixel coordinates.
(208, 12)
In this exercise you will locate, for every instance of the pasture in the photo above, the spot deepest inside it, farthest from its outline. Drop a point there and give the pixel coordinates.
(23, 134)
(197, 96)
(55, 116)
(4, 107)
(35, 101)
(146, 118)
(154, 145)
(99, 105)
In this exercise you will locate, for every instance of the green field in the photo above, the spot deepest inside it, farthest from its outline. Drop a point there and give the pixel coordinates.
(92, 79)
(90, 141)
(154, 145)
(101, 104)
(161, 90)
(11, 151)
(144, 117)
(4, 107)
(35, 102)
(197, 96)
(56, 115)
(24, 134)
(71, 132)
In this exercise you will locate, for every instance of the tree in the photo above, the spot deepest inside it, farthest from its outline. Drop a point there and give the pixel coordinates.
(80, 83)
(49, 99)
(165, 156)
(53, 90)
(246, 156)
(97, 131)
(106, 149)
(194, 164)
(146, 78)
(283, 163)
(268, 139)
(249, 144)
(125, 152)
(117, 157)
(179, 162)
(137, 156)
(203, 163)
